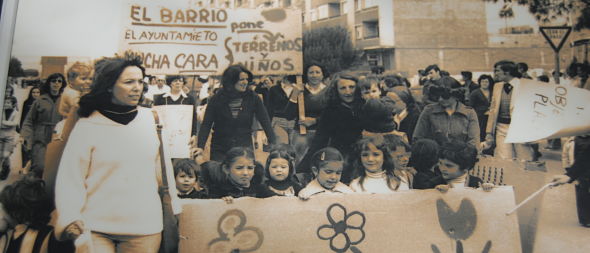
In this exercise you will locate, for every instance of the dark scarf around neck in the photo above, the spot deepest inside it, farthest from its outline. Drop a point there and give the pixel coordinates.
(122, 114)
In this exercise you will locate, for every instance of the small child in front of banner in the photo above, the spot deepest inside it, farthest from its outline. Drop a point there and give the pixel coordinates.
(187, 174)
(280, 171)
(327, 166)
(375, 171)
(239, 175)
(455, 160)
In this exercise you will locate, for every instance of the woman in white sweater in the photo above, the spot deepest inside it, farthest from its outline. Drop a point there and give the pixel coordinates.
(107, 181)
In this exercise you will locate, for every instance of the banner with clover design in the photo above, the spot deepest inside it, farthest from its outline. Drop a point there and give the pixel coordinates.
(415, 221)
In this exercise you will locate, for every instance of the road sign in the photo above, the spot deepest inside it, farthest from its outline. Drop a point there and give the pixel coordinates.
(556, 35)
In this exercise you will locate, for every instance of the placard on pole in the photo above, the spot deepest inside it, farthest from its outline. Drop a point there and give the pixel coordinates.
(556, 37)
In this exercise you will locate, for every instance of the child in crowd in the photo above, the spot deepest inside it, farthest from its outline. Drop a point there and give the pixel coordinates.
(424, 159)
(239, 175)
(377, 112)
(25, 208)
(327, 165)
(187, 175)
(375, 170)
(79, 81)
(280, 172)
(8, 134)
(456, 158)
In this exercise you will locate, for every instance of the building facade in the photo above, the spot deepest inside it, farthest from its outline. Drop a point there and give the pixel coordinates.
(407, 35)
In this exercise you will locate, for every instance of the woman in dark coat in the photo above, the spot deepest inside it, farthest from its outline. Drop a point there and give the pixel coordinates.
(38, 125)
(230, 113)
(479, 100)
(34, 93)
(340, 125)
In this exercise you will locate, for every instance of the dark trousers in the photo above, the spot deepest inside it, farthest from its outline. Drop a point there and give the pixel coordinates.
(221, 143)
(583, 201)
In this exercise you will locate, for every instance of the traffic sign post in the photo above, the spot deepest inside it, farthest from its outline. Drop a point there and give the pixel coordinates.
(556, 36)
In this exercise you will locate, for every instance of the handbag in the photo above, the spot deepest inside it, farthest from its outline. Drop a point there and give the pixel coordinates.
(169, 243)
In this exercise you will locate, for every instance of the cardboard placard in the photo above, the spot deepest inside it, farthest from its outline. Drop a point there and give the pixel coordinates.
(181, 37)
(177, 121)
(526, 178)
(411, 221)
(548, 111)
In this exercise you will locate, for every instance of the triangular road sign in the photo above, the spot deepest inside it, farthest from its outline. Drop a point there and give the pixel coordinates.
(555, 35)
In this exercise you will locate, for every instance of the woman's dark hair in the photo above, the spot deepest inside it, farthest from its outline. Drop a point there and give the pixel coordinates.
(30, 96)
(332, 92)
(490, 81)
(171, 78)
(46, 88)
(447, 86)
(404, 94)
(424, 155)
(27, 202)
(284, 152)
(461, 153)
(107, 72)
(393, 181)
(231, 76)
(306, 69)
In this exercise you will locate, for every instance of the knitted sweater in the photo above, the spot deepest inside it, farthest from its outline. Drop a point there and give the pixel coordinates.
(107, 176)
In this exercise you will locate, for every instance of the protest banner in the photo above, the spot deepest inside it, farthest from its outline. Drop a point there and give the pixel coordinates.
(179, 37)
(176, 121)
(526, 178)
(548, 111)
(461, 220)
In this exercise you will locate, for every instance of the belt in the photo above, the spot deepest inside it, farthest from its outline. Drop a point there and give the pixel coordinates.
(504, 120)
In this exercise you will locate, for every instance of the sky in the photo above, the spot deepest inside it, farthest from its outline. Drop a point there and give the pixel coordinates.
(85, 30)
(81, 29)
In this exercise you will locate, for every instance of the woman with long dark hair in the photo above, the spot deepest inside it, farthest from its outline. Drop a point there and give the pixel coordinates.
(107, 182)
(39, 123)
(340, 125)
(230, 113)
(34, 93)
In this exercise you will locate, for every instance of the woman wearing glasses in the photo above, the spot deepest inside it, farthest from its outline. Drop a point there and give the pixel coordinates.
(448, 119)
(41, 119)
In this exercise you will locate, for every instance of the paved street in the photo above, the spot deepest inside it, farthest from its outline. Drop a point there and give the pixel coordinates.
(558, 228)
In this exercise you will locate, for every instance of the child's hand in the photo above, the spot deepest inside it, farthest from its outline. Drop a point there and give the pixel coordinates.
(73, 231)
(228, 199)
(443, 188)
(303, 196)
(487, 187)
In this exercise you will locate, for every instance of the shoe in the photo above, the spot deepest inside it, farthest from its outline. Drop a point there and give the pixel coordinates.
(585, 225)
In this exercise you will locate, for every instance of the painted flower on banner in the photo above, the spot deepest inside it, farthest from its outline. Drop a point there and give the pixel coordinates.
(234, 236)
(345, 229)
(458, 225)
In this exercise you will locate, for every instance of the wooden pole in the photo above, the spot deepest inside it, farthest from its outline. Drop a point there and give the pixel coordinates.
(301, 106)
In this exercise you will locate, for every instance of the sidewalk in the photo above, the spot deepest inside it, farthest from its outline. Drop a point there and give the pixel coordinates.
(558, 229)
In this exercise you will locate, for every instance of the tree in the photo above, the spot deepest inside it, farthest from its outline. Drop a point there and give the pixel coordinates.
(329, 46)
(15, 68)
(547, 10)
